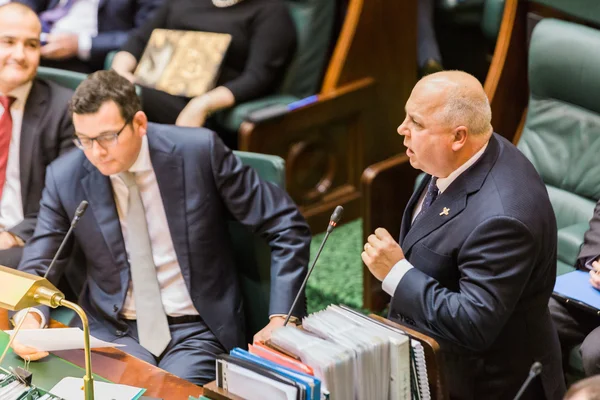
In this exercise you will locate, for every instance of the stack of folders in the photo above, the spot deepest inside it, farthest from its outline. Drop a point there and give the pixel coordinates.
(339, 354)
(14, 388)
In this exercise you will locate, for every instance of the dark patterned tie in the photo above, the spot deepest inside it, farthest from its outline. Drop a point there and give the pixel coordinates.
(6, 125)
(430, 196)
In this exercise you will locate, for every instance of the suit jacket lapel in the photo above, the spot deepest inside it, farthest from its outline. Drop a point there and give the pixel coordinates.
(168, 168)
(99, 194)
(30, 135)
(454, 199)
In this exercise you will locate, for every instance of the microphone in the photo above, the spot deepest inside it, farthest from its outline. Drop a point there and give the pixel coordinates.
(78, 214)
(333, 221)
(535, 370)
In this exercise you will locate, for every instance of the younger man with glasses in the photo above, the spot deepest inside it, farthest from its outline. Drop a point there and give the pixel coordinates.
(160, 270)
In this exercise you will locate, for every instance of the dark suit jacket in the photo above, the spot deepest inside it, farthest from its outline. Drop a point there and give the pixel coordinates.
(591, 240)
(483, 276)
(46, 133)
(116, 19)
(202, 183)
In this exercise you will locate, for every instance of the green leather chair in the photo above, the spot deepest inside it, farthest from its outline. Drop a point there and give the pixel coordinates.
(252, 254)
(561, 135)
(68, 79)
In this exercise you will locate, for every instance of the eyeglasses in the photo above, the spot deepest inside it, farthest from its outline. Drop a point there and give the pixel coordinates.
(105, 141)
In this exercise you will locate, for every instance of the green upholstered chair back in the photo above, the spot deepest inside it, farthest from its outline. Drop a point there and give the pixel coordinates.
(68, 79)
(314, 21)
(252, 254)
(561, 135)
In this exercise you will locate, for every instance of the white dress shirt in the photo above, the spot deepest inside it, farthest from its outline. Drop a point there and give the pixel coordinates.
(174, 293)
(82, 19)
(393, 278)
(11, 204)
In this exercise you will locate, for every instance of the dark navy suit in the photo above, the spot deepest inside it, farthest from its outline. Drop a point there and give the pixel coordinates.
(202, 184)
(46, 133)
(483, 276)
(116, 19)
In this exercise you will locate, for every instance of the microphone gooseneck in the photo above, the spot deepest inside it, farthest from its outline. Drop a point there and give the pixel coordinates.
(333, 221)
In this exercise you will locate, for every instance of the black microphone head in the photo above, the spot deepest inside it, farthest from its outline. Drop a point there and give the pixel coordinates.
(337, 214)
(81, 209)
(335, 218)
(536, 368)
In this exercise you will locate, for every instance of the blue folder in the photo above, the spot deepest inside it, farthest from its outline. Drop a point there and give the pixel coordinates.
(575, 287)
(311, 383)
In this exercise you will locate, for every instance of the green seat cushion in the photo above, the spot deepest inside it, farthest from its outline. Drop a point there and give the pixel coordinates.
(563, 268)
(570, 240)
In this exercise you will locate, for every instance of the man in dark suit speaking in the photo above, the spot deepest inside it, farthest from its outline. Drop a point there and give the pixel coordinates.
(476, 263)
(160, 272)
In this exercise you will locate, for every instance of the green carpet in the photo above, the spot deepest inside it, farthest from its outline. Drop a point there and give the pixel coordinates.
(338, 275)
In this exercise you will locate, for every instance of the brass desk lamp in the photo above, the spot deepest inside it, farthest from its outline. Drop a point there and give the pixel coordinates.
(21, 290)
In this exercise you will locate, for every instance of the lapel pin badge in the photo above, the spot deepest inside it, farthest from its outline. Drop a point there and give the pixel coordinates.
(445, 211)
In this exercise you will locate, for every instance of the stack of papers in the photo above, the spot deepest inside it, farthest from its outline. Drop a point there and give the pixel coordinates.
(339, 354)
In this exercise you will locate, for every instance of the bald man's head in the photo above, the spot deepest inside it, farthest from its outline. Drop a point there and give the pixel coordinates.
(448, 120)
(462, 100)
(20, 30)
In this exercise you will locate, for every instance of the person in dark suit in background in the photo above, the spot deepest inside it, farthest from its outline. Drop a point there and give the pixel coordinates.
(160, 273)
(80, 33)
(35, 128)
(576, 325)
(476, 260)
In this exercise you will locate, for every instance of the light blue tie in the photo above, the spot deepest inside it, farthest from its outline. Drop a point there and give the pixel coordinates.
(152, 324)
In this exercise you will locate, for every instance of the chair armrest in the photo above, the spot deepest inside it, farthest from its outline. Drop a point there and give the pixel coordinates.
(570, 240)
(386, 187)
(233, 118)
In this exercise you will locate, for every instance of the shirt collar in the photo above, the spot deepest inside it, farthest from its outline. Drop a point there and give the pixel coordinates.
(142, 163)
(20, 94)
(444, 183)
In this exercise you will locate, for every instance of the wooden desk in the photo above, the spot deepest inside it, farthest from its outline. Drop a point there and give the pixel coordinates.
(119, 367)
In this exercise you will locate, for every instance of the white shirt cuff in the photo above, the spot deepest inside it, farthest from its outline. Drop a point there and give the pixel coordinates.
(395, 275)
(84, 47)
(21, 314)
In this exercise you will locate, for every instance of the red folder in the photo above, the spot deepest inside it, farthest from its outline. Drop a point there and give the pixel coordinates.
(270, 354)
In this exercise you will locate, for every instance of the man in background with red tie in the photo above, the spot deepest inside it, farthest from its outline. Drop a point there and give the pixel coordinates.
(80, 33)
(35, 128)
